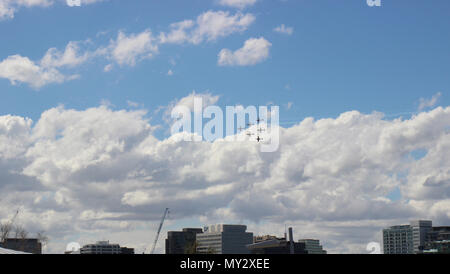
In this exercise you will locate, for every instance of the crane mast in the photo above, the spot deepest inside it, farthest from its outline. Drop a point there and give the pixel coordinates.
(159, 229)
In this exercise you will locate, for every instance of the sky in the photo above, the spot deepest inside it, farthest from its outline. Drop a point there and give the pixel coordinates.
(86, 92)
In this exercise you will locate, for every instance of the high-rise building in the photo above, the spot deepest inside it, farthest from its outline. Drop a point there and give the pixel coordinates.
(182, 242)
(398, 240)
(224, 239)
(313, 246)
(104, 247)
(420, 229)
(406, 239)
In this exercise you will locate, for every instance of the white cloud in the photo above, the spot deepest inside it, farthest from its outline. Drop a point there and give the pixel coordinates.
(283, 29)
(238, 3)
(108, 68)
(8, 8)
(127, 50)
(254, 51)
(209, 26)
(207, 98)
(16, 69)
(103, 171)
(69, 58)
(427, 103)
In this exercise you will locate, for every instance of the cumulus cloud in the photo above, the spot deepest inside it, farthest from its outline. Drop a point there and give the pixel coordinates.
(254, 51)
(284, 30)
(209, 26)
(103, 171)
(208, 99)
(17, 68)
(124, 50)
(237, 3)
(128, 49)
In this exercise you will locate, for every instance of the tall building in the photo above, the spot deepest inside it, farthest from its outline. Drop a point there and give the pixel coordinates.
(313, 246)
(27, 245)
(406, 239)
(398, 240)
(104, 247)
(224, 239)
(182, 242)
(420, 229)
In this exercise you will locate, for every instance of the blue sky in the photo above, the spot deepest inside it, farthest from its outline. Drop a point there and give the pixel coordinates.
(342, 55)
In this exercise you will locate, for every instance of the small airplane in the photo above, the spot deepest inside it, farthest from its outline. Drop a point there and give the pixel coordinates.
(259, 139)
(250, 134)
(249, 124)
(261, 129)
(241, 128)
(259, 120)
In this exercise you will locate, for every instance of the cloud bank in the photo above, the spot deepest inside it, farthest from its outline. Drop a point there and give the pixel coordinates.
(102, 171)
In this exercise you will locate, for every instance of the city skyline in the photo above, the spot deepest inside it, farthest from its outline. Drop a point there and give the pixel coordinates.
(86, 151)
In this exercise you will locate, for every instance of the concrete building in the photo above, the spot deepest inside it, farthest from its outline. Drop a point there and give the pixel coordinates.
(406, 239)
(224, 239)
(27, 245)
(420, 229)
(104, 247)
(437, 240)
(438, 233)
(398, 240)
(312, 246)
(182, 242)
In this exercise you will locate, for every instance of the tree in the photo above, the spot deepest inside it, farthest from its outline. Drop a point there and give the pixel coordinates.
(5, 230)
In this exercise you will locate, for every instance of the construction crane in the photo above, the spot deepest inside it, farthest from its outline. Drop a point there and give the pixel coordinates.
(159, 229)
(14, 217)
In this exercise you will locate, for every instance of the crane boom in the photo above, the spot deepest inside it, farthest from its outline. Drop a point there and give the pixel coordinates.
(159, 229)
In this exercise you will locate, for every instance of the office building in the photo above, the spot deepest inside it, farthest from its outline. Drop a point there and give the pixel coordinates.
(406, 239)
(104, 247)
(438, 233)
(398, 240)
(420, 229)
(224, 239)
(276, 246)
(182, 242)
(312, 246)
(438, 240)
(272, 245)
(27, 245)
(258, 239)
